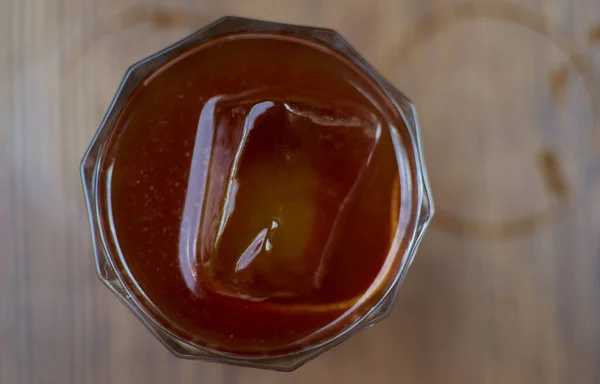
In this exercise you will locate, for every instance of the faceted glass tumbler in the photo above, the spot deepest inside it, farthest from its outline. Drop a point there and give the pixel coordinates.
(416, 213)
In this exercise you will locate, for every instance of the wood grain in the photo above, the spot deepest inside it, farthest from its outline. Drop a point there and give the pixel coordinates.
(500, 147)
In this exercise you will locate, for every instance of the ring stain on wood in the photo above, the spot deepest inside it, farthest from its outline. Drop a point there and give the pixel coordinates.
(494, 231)
(157, 17)
(160, 17)
(437, 20)
(440, 19)
(594, 35)
(558, 80)
(552, 172)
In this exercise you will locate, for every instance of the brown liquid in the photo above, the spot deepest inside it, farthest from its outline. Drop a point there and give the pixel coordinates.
(253, 189)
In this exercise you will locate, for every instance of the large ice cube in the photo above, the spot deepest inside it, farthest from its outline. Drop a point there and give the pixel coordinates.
(270, 185)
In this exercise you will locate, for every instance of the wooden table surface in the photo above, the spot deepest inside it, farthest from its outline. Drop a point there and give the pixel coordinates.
(506, 286)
